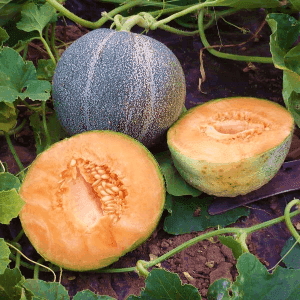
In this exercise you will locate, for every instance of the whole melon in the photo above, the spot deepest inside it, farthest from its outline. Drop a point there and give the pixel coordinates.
(120, 81)
(231, 146)
(91, 198)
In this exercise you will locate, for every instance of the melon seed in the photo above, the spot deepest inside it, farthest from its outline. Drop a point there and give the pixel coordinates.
(96, 182)
(105, 176)
(73, 163)
(115, 189)
(102, 192)
(96, 176)
(106, 198)
(109, 191)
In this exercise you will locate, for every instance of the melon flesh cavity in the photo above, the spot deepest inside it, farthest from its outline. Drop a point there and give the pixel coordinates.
(90, 199)
(231, 146)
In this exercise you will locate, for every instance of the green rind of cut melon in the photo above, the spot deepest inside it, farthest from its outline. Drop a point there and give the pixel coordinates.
(109, 260)
(236, 178)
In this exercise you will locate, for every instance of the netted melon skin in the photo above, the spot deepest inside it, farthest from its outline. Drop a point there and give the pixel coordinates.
(230, 180)
(119, 81)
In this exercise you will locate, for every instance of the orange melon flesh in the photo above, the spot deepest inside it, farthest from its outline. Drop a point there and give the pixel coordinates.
(231, 146)
(65, 216)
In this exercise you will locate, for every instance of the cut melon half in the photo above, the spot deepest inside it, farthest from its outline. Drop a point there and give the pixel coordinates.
(231, 146)
(91, 198)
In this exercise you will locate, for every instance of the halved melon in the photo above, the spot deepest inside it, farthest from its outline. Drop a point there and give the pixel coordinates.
(231, 146)
(91, 198)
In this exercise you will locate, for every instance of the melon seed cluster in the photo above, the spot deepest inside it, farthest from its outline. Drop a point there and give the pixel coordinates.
(238, 125)
(106, 184)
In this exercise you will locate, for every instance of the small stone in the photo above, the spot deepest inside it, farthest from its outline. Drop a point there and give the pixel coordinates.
(214, 254)
(222, 271)
(164, 244)
(203, 292)
(188, 277)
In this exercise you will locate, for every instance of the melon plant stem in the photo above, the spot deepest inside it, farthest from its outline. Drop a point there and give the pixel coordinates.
(18, 237)
(48, 49)
(15, 155)
(52, 41)
(145, 20)
(241, 233)
(214, 52)
(88, 24)
(48, 138)
(18, 255)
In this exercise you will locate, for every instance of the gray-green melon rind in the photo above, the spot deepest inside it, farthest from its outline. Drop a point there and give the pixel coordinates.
(119, 81)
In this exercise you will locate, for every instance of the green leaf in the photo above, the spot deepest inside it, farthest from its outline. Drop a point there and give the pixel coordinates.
(280, 42)
(36, 18)
(3, 3)
(46, 290)
(10, 285)
(18, 79)
(189, 214)
(169, 203)
(4, 256)
(3, 36)
(292, 260)
(291, 93)
(233, 244)
(255, 282)
(219, 290)
(8, 116)
(285, 29)
(18, 37)
(55, 130)
(285, 32)
(8, 10)
(9, 181)
(88, 295)
(37, 90)
(10, 205)
(162, 284)
(296, 4)
(46, 68)
(291, 59)
(175, 184)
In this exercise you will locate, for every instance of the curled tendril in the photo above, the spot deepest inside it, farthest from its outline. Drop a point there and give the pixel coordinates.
(288, 218)
(141, 268)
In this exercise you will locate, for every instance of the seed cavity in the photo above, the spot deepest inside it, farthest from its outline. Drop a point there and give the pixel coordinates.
(109, 189)
(235, 125)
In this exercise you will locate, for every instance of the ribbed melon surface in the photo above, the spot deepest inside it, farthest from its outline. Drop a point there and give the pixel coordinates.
(119, 81)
